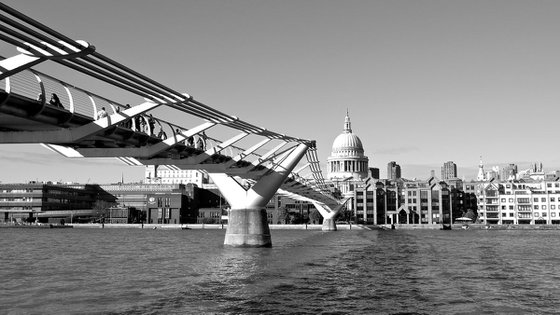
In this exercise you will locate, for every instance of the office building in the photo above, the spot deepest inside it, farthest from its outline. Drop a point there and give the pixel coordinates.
(448, 170)
(393, 170)
(49, 202)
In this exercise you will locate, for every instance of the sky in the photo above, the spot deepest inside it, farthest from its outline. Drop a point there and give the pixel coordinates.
(425, 82)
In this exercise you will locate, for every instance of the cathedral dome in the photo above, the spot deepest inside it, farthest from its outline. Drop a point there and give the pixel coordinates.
(347, 159)
(347, 143)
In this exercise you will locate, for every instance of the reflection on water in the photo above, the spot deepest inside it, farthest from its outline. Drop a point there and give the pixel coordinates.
(134, 271)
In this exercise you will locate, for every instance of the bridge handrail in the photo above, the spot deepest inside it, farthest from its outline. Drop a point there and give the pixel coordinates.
(26, 77)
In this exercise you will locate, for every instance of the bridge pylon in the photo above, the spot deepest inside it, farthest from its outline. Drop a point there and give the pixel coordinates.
(247, 220)
(329, 213)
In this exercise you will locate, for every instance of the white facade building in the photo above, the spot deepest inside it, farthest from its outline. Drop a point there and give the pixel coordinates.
(160, 174)
(519, 202)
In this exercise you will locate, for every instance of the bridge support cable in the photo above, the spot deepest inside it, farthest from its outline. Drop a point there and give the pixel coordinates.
(247, 220)
(34, 45)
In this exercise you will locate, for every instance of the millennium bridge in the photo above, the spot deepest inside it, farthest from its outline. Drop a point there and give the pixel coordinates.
(36, 108)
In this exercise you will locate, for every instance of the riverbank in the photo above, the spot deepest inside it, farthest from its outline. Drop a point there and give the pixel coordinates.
(288, 226)
(217, 226)
(475, 226)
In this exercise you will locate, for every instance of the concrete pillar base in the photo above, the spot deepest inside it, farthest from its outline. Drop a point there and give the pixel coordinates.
(248, 228)
(329, 225)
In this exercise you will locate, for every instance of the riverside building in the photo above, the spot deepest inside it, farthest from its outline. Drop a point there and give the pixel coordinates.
(525, 201)
(49, 202)
(410, 202)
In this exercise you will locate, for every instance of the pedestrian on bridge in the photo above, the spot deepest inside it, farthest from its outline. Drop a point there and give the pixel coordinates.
(152, 125)
(101, 113)
(55, 101)
(128, 122)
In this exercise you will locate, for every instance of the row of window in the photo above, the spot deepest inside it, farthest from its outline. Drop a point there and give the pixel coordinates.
(519, 200)
(524, 215)
(17, 190)
(24, 199)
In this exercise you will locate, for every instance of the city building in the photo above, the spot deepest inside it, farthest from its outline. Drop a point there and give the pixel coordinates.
(160, 203)
(393, 170)
(410, 202)
(112, 203)
(524, 201)
(49, 202)
(162, 174)
(449, 170)
(508, 172)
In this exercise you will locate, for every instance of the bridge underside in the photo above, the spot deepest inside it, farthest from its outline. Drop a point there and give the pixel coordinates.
(24, 120)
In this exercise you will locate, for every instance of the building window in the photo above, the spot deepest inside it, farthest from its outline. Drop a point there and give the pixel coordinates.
(544, 207)
(552, 207)
(536, 207)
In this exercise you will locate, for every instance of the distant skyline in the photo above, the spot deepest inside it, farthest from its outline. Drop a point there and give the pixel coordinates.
(425, 82)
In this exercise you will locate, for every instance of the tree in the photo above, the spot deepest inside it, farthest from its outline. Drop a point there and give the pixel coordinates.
(295, 218)
(282, 215)
(345, 215)
(315, 216)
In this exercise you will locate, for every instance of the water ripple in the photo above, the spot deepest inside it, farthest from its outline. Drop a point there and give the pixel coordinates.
(112, 271)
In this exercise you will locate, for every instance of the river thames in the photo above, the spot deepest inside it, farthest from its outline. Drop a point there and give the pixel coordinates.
(135, 271)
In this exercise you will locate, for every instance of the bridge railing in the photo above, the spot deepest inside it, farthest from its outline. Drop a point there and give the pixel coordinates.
(36, 85)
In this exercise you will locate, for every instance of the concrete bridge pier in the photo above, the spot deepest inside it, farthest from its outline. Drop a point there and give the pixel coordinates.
(247, 221)
(329, 213)
(248, 227)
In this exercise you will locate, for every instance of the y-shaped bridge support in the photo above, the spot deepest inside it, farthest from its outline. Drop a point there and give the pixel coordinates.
(329, 214)
(247, 221)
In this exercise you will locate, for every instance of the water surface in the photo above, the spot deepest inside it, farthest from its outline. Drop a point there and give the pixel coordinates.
(135, 271)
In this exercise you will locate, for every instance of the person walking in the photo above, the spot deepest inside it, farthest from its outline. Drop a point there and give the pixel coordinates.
(55, 101)
(102, 113)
